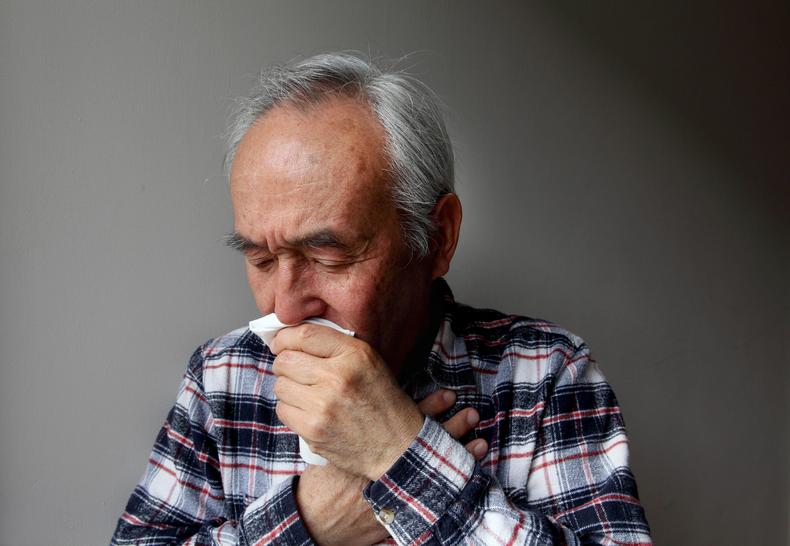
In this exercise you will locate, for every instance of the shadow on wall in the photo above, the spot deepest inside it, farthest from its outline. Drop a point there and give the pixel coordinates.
(720, 68)
(720, 73)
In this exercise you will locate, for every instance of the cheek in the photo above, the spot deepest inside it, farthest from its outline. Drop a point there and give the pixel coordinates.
(352, 298)
(379, 292)
(347, 294)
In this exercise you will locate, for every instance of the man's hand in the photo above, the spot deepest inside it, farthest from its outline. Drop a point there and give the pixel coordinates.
(337, 393)
(330, 499)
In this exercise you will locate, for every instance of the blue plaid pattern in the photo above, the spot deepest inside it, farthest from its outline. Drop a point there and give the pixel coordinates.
(224, 468)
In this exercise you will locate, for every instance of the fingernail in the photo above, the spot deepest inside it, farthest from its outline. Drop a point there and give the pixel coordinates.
(448, 396)
(480, 450)
(472, 418)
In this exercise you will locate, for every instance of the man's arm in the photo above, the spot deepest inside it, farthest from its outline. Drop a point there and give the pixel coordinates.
(579, 489)
(331, 502)
(180, 499)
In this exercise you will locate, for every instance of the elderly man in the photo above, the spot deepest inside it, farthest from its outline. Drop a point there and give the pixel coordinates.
(441, 424)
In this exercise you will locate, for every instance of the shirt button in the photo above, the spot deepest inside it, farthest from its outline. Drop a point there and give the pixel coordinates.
(386, 516)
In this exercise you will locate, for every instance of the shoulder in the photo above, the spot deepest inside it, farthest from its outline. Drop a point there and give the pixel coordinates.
(223, 362)
(238, 342)
(524, 348)
(488, 328)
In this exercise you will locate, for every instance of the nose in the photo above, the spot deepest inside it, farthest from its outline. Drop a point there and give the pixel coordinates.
(296, 296)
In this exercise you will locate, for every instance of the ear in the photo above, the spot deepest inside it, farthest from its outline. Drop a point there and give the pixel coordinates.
(447, 215)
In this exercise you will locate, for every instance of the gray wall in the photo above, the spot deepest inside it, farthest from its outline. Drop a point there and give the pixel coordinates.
(622, 173)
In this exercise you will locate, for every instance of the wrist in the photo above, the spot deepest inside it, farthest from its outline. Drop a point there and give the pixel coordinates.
(399, 443)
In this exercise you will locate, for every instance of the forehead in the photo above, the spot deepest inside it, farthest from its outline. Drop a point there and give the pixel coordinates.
(321, 164)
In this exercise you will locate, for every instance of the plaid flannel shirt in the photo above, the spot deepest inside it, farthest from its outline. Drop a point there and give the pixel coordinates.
(224, 468)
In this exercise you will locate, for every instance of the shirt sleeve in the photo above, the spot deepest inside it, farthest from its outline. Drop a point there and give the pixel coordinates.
(180, 498)
(578, 488)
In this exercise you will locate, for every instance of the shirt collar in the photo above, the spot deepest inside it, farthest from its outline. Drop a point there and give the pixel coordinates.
(445, 360)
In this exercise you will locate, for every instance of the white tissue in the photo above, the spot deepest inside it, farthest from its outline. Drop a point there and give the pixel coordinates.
(266, 328)
(308, 456)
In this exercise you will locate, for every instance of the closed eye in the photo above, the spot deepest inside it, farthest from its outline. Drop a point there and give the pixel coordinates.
(330, 265)
(261, 263)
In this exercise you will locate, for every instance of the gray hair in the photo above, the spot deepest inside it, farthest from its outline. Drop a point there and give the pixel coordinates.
(417, 148)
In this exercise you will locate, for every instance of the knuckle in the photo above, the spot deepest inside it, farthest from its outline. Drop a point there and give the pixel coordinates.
(367, 352)
(306, 331)
(343, 389)
(279, 362)
(307, 430)
(278, 411)
(361, 353)
(326, 413)
(345, 383)
(314, 429)
(283, 357)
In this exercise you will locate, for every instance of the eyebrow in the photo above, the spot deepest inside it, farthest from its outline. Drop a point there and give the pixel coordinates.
(237, 241)
(323, 238)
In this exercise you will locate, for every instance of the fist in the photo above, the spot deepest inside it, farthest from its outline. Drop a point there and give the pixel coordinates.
(337, 393)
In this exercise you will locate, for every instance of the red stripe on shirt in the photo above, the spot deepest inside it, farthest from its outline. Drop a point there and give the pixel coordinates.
(519, 525)
(596, 412)
(579, 456)
(126, 516)
(598, 501)
(192, 486)
(253, 425)
(277, 530)
(439, 456)
(256, 367)
(267, 470)
(511, 413)
(408, 499)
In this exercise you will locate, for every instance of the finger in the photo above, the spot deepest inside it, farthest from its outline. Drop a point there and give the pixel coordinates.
(478, 448)
(292, 417)
(300, 367)
(314, 339)
(437, 402)
(293, 393)
(462, 422)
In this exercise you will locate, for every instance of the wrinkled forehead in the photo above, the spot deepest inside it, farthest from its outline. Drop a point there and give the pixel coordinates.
(340, 137)
(326, 160)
